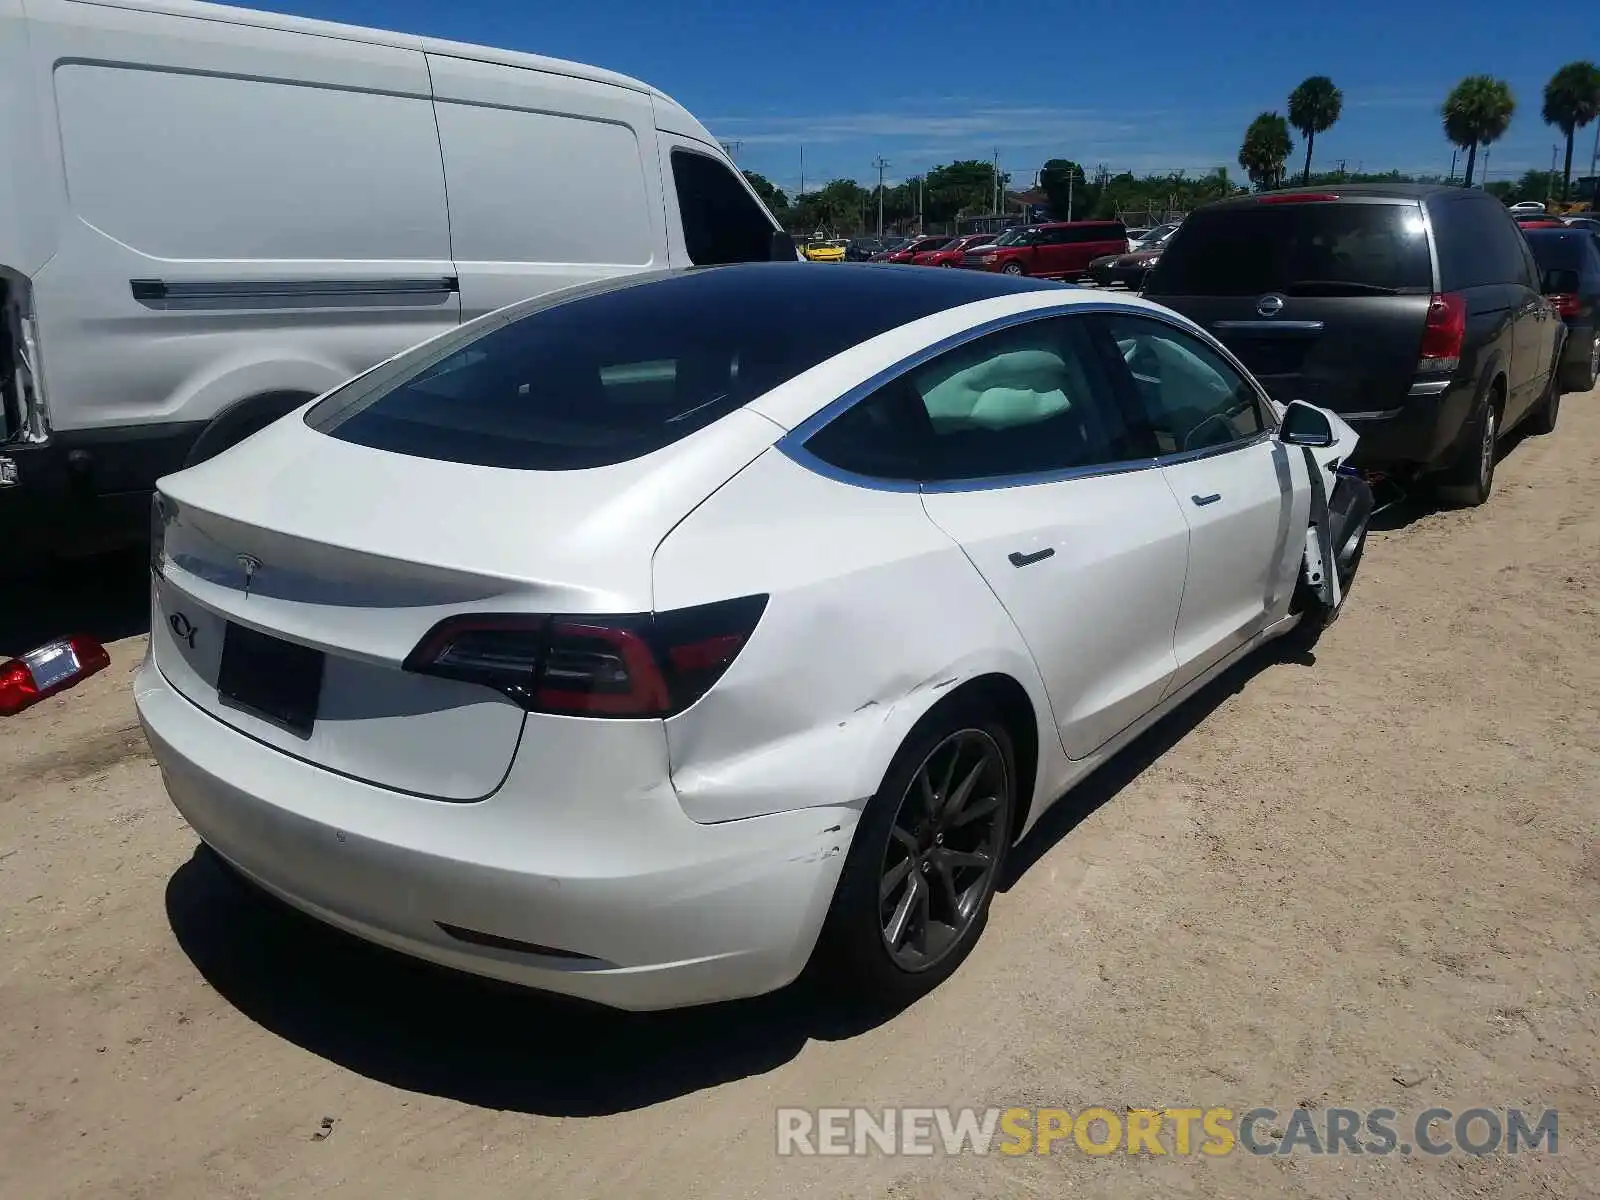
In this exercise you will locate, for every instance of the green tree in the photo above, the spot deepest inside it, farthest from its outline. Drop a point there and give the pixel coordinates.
(1536, 185)
(771, 195)
(958, 189)
(1477, 112)
(1314, 106)
(1068, 189)
(1265, 147)
(1571, 101)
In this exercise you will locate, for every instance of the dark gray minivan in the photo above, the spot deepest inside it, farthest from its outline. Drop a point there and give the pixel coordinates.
(1411, 310)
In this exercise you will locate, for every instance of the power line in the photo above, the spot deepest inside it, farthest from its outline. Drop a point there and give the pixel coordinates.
(882, 164)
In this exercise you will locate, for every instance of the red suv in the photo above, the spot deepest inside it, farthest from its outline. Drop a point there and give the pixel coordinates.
(950, 254)
(913, 247)
(1060, 250)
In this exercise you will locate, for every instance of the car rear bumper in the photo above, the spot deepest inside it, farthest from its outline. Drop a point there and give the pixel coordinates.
(582, 875)
(1419, 433)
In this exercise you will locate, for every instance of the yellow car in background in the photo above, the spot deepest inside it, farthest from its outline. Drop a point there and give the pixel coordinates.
(824, 250)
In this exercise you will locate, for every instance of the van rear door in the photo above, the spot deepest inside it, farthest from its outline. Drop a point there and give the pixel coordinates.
(1324, 299)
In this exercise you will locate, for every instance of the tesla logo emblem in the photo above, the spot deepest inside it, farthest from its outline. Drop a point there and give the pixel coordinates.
(1269, 305)
(251, 565)
(182, 628)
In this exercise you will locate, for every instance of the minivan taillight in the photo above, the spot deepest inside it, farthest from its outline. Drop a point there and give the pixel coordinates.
(638, 665)
(1443, 333)
(1566, 304)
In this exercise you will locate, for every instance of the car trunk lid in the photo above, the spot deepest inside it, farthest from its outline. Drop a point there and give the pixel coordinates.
(335, 559)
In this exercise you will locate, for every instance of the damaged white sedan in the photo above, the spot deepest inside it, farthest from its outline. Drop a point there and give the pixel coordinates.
(649, 641)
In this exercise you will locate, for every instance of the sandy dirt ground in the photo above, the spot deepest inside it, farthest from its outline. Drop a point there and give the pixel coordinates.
(1365, 880)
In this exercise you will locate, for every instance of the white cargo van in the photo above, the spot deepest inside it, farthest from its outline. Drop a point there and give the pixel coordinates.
(210, 215)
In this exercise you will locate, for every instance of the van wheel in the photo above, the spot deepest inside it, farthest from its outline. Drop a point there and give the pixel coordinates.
(923, 866)
(1468, 482)
(239, 420)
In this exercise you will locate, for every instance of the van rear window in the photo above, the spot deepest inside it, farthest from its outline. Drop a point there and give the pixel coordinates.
(1305, 249)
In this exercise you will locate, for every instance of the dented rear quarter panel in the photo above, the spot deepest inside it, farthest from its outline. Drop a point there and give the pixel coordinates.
(874, 616)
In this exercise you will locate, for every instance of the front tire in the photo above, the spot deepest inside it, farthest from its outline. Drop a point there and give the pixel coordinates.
(923, 866)
(1012, 268)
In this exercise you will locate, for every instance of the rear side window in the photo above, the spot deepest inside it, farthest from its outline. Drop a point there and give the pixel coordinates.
(1297, 249)
(1478, 243)
(1025, 401)
(722, 223)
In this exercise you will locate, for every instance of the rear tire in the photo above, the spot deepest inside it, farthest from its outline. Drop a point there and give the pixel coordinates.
(1468, 482)
(915, 890)
(1542, 419)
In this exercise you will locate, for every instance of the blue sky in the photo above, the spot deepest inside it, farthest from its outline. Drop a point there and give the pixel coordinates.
(1156, 86)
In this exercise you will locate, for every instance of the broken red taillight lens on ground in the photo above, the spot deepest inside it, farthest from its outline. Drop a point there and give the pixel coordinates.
(48, 669)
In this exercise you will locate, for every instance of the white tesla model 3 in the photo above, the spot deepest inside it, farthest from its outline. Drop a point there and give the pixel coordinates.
(648, 641)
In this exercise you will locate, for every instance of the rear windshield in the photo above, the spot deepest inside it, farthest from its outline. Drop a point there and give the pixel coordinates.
(621, 371)
(1558, 250)
(1297, 249)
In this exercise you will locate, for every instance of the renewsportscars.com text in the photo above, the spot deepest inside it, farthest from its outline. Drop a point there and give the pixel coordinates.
(1098, 1130)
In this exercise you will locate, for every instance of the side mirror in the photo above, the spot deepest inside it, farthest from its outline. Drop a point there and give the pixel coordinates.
(1304, 425)
(781, 248)
(1561, 282)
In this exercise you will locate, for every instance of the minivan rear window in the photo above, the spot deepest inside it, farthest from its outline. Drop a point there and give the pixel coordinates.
(626, 369)
(1321, 248)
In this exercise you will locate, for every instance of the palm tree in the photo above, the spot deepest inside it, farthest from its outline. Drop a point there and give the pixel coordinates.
(1477, 112)
(1265, 147)
(1314, 106)
(1571, 101)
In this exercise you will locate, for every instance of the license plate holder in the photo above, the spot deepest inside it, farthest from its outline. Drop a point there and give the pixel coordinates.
(272, 678)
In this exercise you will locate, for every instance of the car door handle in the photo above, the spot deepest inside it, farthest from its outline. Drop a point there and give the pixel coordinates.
(1202, 501)
(1019, 559)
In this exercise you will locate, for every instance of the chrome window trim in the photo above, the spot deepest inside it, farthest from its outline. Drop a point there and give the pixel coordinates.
(1272, 326)
(792, 444)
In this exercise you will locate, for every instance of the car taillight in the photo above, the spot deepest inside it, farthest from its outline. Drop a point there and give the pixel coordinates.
(1443, 333)
(641, 665)
(48, 669)
(1566, 303)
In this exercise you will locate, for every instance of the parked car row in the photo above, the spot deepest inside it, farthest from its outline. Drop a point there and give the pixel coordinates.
(1051, 250)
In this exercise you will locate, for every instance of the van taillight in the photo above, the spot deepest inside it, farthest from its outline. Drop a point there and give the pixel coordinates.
(1443, 333)
(1566, 304)
(642, 665)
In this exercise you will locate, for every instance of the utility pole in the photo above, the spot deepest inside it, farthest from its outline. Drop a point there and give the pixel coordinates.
(1550, 179)
(731, 149)
(996, 208)
(1594, 159)
(1452, 178)
(1484, 178)
(1071, 174)
(882, 164)
(802, 172)
(919, 205)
